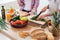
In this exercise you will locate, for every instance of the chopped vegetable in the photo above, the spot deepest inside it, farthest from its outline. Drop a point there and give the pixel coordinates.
(15, 18)
(34, 18)
(44, 20)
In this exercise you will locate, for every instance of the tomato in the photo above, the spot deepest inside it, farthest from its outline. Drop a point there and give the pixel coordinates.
(22, 22)
(13, 23)
(17, 22)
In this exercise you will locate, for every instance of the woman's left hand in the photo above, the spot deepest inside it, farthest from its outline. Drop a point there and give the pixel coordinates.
(22, 13)
(31, 13)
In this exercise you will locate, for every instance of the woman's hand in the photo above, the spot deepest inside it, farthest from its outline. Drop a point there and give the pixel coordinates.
(42, 16)
(45, 8)
(31, 13)
(22, 13)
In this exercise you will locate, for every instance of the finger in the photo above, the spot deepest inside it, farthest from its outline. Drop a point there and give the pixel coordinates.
(39, 18)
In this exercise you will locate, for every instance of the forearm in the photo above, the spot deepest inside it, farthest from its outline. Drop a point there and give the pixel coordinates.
(51, 14)
(45, 8)
(45, 15)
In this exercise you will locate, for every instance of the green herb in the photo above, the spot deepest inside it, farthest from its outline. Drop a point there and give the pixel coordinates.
(3, 24)
(35, 17)
(44, 20)
(15, 18)
(56, 22)
(56, 19)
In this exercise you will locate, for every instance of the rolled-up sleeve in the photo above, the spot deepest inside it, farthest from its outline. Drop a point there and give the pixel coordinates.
(35, 5)
(59, 6)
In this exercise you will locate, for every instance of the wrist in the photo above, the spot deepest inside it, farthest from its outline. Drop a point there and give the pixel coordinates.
(33, 10)
(46, 15)
(31, 13)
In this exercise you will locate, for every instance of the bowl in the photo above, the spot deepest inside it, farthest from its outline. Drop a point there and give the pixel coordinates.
(18, 22)
(19, 25)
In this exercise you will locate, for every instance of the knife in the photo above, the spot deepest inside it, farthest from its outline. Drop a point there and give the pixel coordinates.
(35, 17)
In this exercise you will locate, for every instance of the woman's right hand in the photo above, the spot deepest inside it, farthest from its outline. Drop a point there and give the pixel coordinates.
(45, 8)
(42, 16)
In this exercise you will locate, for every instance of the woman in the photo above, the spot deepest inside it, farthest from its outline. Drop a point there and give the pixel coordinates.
(29, 6)
(53, 6)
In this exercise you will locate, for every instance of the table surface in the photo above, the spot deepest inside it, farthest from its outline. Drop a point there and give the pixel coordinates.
(28, 29)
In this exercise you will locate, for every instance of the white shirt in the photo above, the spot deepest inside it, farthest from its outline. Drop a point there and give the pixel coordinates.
(58, 4)
(54, 5)
(27, 5)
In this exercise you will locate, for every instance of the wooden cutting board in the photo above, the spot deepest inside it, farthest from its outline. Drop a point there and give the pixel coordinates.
(38, 22)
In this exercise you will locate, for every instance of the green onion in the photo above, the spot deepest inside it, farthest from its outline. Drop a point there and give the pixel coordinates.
(3, 24)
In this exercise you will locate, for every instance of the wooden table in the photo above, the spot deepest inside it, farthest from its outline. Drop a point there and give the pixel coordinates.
(12, 32)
